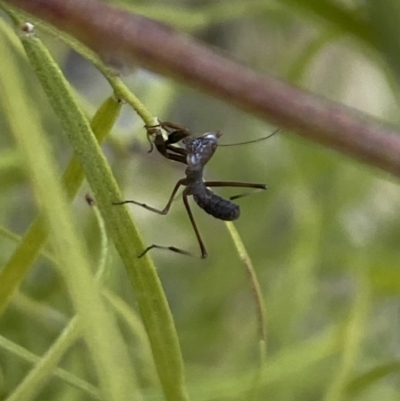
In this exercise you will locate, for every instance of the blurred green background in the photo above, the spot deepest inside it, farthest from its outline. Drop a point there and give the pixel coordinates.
(324, 239)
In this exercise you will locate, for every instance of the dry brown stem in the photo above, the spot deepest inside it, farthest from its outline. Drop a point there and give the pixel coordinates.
(118, 35)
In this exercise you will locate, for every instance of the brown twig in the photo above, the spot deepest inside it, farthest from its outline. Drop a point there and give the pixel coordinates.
(119, 36)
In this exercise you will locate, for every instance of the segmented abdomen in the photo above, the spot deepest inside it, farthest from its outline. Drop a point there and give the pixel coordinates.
(218, 207)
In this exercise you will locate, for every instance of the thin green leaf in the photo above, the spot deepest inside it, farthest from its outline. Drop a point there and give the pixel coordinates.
(259, 303)
(67, 377)
(34, 239)
(106, 346)
(152, 303)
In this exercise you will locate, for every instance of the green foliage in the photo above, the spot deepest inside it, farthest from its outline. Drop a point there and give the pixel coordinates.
(84, 318)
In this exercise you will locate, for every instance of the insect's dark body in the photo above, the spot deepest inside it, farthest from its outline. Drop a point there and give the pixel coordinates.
(196, 153)
(217, 206)
(207, 200)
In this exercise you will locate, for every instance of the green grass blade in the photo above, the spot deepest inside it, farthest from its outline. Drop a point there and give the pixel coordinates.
(367, 379)
(42, 371)
(62, 374)
(255, 285)
(34, 239)
(352, 336)
(107, 351)
(151, 299)
(36, 378)
(259, 303)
